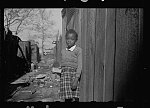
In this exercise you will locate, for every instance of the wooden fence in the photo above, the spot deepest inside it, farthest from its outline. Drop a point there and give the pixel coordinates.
(111, 40)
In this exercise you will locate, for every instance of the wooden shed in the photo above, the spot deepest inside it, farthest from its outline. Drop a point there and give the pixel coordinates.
(111, 39)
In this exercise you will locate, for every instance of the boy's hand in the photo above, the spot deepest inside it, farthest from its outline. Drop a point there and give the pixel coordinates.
(74, 84)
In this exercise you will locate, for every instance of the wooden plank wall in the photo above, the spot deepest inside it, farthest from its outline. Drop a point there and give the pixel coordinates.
(110, 39)
(104, 55)
(99, 54)
(127, 64)
(97, 41)
(90, 25)
(88, 46)
(109, 54)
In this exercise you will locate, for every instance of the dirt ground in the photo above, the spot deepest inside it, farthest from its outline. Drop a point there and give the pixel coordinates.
(43, 85)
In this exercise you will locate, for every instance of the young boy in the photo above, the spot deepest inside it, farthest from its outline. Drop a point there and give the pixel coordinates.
(71, 64)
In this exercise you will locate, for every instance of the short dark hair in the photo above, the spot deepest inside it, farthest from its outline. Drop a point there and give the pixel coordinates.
(72, 31)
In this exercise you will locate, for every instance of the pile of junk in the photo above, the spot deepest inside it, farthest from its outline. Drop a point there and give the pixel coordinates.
(42, 84)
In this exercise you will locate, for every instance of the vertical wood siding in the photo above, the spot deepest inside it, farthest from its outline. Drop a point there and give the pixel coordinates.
(88, 46)
(99, 54)
(110, 39)
(127, 69)
(109, 54)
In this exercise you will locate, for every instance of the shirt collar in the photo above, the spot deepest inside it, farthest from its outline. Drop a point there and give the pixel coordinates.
(72, 48)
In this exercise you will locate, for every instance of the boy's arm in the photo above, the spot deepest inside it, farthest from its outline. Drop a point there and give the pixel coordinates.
(79, 69)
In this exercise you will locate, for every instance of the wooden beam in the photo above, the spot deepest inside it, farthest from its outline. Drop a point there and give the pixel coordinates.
(99, 55)
(109, 54)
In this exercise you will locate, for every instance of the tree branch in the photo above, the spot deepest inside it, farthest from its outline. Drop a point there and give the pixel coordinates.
(21, 20)
(18, 27)
(13, 22)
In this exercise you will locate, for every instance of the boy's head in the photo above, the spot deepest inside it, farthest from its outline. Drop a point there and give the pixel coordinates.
(71, 37)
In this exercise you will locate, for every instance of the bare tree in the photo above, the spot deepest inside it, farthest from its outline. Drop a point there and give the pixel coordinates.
(16, 17)
(30, 19)
(42, 24)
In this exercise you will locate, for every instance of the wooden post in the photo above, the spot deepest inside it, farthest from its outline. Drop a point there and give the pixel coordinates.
(99, 55)
(88, 50)
(109, 54)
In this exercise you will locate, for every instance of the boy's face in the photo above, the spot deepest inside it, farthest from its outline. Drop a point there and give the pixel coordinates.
(70, 40)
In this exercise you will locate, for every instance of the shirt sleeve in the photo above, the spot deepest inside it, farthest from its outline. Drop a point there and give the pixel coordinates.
(79, 69)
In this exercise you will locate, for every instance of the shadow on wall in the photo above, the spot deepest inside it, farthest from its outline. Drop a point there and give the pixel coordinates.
(129, 75)
(128, 86)
(128, 79)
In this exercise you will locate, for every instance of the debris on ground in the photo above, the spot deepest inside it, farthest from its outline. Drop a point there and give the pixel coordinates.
(43, 86)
